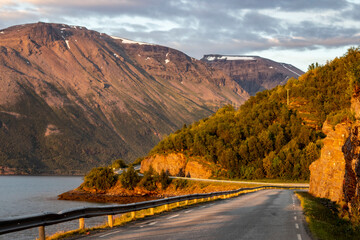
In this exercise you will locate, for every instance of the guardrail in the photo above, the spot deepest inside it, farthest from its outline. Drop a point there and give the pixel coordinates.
(45, 219)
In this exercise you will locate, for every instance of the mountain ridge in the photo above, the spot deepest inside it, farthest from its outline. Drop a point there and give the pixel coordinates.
(73, 98)
(253, 73)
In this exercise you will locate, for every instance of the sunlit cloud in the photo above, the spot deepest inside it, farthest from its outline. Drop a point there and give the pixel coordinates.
(206, 26)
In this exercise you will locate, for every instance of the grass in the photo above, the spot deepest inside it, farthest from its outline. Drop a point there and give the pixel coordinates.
(325, 220)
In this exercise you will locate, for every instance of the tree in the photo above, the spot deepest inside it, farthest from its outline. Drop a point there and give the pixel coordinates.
(119, 163)
(149, 179)
(100, 178)
(129, 178)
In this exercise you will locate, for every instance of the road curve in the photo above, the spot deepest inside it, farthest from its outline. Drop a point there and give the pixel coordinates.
(268, 214)
(301, 185)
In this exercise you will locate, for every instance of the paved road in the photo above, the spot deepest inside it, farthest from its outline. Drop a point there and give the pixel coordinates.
(268, 214)
(302, 185)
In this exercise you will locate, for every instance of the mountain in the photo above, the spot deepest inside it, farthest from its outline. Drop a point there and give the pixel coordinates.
(275, 134)
(72, 98)
(253, 73)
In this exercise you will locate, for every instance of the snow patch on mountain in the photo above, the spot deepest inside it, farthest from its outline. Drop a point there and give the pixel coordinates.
(230, 58)
(128, 41)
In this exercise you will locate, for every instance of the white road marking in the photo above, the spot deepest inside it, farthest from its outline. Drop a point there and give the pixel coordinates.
(109, 234)
(297, 226)
(299, 237)
(295, 218)
(174, 216)
(203, 207)
(152, 223)
(188, 211)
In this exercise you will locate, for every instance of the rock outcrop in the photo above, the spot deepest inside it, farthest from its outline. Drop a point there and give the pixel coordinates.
(177, 164)
(327, 173)
(336, 175)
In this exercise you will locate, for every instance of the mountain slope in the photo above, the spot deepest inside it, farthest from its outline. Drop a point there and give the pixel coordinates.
(253, 73)
(71, 98)
(271, 136)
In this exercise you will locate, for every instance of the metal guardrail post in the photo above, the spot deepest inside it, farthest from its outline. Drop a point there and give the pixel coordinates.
(151, 211)
(81, 223)
(41, 233)
(110, 221)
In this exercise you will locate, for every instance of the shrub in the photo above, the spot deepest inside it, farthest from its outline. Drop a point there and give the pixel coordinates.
(129, 178)
(180, 183)
(100, 178)
(149, 180)
(119, 163)
(164, 179)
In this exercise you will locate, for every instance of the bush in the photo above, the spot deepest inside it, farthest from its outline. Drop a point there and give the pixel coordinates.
(180, 183)
(100, 178)
(149, 180)
(164, 179)
(119, 163)
(129, 178)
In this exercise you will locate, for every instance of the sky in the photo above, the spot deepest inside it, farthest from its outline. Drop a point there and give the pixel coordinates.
(299, 32)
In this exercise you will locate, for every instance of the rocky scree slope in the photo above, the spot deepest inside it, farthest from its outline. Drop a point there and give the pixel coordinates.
(253, 73)
(72, 98)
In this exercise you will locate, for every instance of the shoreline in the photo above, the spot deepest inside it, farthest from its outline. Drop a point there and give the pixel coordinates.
(76, 195)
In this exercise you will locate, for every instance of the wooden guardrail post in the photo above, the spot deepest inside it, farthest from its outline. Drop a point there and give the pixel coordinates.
(110, 221)
(166, 207)
(186, 202)
(81, 223)
(42, 233)
(133, 215)
(178, 204)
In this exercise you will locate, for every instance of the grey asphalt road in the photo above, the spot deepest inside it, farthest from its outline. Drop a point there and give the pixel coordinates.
(268, 214)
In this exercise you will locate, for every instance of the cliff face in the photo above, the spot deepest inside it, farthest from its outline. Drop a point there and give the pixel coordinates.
(336, 175)
(327, 173)
(177, 164)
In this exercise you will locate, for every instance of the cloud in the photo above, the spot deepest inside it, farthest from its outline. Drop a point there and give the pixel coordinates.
(203, 26)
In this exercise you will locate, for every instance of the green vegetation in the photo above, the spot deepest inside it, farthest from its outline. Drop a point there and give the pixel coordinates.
(101, 178)
(326, 219)
(150, 181)
(129, 178)
(265, 137)
(119, 163)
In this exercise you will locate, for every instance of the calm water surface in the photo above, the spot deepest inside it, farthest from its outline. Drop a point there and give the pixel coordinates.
(25, 195)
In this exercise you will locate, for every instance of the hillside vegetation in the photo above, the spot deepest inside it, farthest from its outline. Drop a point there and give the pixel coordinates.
(267, 137)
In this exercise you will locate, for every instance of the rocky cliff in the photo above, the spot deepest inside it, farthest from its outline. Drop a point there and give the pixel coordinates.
(327, 173)
(177, 164)
(253, 73)
(336, 175)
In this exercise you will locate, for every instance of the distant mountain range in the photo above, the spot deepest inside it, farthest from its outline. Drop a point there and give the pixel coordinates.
(253, 73)
(72, 98)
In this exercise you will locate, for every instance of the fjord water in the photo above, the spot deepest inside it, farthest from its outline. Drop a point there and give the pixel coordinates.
(26, 195)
